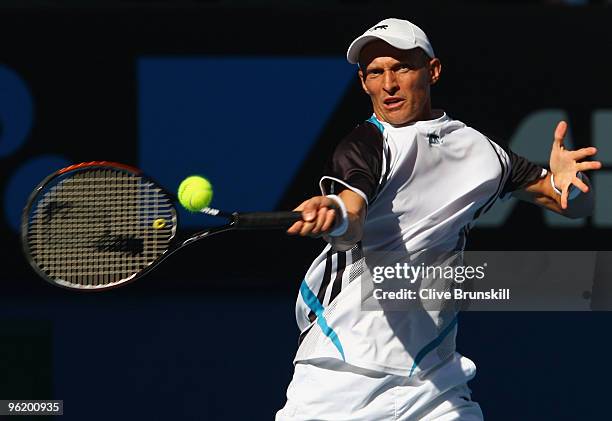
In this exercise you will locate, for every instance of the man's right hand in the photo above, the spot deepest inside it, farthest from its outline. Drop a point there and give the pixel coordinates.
(318, 217)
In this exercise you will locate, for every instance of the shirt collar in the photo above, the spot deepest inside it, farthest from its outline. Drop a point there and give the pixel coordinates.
(440, 117)
(437, 126)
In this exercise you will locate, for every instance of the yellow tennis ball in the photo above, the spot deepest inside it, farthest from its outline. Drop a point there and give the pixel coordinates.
(195, 193)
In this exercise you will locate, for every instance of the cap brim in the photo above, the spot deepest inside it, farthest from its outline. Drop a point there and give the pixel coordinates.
(352, 54)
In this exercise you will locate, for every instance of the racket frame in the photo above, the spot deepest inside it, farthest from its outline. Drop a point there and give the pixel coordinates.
(235, 221)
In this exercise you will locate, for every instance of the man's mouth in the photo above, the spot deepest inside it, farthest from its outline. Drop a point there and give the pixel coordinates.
(393, 102)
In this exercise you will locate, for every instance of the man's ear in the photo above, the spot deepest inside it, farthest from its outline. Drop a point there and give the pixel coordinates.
(363, 85)
(435, 68)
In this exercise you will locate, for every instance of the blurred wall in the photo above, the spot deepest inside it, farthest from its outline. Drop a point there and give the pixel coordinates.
(256, 99)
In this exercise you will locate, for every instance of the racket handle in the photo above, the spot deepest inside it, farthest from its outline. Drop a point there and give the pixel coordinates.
(266, 220)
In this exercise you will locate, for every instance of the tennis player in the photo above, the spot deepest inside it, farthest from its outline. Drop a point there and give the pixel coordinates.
(412, 180)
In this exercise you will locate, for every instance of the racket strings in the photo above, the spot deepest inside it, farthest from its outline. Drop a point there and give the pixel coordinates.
(96, 228)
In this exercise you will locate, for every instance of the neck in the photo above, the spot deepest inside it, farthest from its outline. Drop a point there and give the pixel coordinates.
(425, 114)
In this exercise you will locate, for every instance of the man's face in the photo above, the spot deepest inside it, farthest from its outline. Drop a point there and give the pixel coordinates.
(398, 81)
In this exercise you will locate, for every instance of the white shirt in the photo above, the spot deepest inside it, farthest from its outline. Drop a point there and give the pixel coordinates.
(425, 184)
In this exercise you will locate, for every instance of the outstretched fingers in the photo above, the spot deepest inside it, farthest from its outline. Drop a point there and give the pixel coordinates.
(580, 185)
(583, 153)
(560, 133)
(590, 165)
(564, 195)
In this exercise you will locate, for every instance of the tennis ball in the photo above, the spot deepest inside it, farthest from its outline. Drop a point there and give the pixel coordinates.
(195, 193)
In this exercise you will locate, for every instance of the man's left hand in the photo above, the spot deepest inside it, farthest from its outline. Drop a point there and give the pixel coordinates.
(565, 164)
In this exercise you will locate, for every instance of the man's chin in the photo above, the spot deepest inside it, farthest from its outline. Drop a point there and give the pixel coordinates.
(397, 117)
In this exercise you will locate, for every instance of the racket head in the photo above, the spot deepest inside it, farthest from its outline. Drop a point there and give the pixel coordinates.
(97, 225)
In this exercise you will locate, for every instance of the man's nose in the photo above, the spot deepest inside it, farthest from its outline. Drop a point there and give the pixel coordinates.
(390, 82)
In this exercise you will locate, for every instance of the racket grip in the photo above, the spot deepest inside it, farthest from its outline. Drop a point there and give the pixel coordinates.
(266, 220)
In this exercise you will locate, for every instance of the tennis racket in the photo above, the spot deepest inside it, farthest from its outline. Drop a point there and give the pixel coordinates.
(100, 225)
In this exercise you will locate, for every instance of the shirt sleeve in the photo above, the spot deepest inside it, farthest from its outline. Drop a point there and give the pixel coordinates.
(356, 164)
(522, 173)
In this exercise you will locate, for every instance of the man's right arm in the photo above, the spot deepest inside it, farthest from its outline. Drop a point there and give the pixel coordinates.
(321, 216)
(352, 175)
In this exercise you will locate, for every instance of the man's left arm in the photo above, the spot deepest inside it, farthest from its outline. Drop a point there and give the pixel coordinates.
(567, 173)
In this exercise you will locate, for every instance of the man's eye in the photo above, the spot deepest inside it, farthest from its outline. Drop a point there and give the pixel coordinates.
(374, 73)
(404, 67)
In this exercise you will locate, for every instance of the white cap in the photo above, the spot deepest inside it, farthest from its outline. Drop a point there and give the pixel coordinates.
(396, 32)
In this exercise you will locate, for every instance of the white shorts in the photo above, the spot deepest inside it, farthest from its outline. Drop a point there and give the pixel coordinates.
(333, 390)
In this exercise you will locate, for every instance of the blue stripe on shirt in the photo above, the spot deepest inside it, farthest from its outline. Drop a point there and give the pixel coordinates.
(314, 304)
(433, 344)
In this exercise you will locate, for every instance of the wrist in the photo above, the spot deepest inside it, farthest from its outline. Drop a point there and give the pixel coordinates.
(573, 191)
(341, 217)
